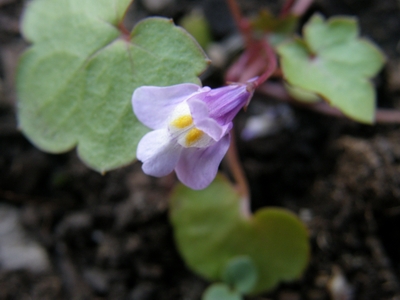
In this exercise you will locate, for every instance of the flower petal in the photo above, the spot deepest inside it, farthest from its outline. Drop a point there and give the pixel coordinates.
(225, 102)
(202, 120)
(197, 168)
(158, 152)
(152, 105)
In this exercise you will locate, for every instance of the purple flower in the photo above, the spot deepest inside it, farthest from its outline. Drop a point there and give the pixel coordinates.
(190, 126)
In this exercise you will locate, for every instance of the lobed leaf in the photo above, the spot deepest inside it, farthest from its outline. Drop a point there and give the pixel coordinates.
(76, 81)
(301, 95)
(210, 231)
(335, 63)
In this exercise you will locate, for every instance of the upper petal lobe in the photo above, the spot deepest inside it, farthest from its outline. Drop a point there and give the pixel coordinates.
(202, 120)
(152, 105)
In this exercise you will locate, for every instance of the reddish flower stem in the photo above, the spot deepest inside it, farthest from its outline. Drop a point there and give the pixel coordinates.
(300, 7)
(271, 57)
(256, 52)
(248, 66)
(239, 176)
(297, 8)
(258, 58)
(242, 24)
(286, 9)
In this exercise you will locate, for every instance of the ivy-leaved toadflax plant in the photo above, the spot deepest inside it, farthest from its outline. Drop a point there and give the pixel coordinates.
(191, 126)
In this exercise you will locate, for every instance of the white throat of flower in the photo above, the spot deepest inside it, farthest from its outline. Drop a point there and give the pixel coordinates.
(182, 128)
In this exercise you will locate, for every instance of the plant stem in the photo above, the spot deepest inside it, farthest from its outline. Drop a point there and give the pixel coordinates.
(300, 7)
(125, 34)
(271, 58)
(259, 57)
(276, 90)
(237, 171)
(387, 116)
(286, 9)
(242, 24)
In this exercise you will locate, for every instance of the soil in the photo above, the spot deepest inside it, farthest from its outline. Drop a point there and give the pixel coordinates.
(67, 232)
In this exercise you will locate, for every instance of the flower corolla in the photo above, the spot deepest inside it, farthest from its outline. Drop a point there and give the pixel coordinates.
(191, 126)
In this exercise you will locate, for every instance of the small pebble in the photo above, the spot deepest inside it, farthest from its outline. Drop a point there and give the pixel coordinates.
(97, 279)
(142, 291)
(17, 249)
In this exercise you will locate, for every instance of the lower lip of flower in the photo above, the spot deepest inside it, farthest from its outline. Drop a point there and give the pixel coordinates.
(187, 135)
(193, 136)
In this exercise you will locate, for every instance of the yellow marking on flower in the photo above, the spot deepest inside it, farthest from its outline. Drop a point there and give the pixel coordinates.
(193, 136)
(182, 122)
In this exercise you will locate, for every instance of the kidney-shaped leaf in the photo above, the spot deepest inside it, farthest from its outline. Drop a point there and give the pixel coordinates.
(75, 82)
(210, 231)
(334, 62)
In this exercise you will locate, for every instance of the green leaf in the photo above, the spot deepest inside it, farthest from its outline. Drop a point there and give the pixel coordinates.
(196, 24)
(301, 95)
(335, 63)
(241, 273)
(220, 291)
(210, 231)
(76, 81)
